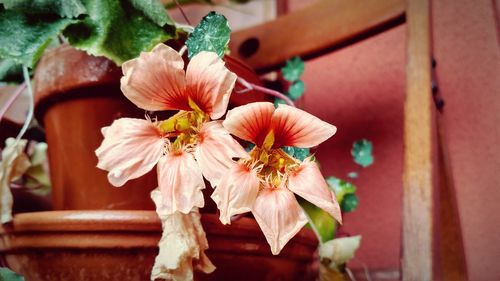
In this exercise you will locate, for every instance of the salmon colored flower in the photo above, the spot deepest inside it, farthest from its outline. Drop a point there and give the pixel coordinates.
(265, 181)
(185, 147)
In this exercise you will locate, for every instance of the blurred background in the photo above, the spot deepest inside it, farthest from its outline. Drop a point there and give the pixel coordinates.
(360, 88)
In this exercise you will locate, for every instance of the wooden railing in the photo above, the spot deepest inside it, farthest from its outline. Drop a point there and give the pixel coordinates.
(311, 31)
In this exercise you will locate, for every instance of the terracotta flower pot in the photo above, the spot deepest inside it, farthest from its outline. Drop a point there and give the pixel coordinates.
(122, 245)
(75, 96)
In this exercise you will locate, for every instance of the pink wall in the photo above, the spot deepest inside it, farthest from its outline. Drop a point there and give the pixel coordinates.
(467, 50)
(360, 89)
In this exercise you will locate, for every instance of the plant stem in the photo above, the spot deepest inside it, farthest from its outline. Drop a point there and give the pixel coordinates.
(31, 106)
(182, 12)
(11, 100)
(251, 86)
(183, 50)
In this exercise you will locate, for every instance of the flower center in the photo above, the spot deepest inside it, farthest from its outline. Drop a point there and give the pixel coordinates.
(183, 128)
(273, 165)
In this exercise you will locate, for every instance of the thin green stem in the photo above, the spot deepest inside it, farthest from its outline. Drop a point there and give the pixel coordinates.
(29, 117)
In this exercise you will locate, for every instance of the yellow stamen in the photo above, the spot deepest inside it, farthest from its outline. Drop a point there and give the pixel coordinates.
(268, 141)
(281, 162)
(194, 106)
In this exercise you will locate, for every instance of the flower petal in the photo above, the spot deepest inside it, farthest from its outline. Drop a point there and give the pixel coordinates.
(131, 147)
(237, 192)
(209, 83)
(182, 245)
(295, 127)
(215, 151)
(279, 215)
(180, 182)
(250, 122)
(156, 80)
(308, 183)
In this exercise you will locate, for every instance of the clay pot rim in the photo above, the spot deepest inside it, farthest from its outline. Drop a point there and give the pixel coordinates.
(124, 230)
(127, 221)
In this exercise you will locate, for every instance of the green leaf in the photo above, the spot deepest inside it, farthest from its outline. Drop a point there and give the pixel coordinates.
(353, 175)
(116, 30)
(322, 222)
(293, 69)
(301, 153)
(349, 203)
(10, 71)
(23, 39)
(154, 10)
(290, 150)
(362, 152)
(9, 275)
(63, 8)
(211, 34)
(340, 188)
(298, 153)
(296, 90)
(278, 101)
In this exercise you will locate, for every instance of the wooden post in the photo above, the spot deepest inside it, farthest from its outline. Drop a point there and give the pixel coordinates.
(450, 254)
(417, 180)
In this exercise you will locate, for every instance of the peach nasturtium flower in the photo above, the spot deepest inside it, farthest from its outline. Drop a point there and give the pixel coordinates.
(185, 147)
(264, 182)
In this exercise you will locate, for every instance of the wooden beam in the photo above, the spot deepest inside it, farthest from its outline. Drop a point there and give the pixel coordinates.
(417, 263)
(451, 253)
(313, 29)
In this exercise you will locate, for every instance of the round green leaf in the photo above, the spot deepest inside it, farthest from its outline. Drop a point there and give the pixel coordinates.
(362, 152)
(211, 34)
(340, 187)
(350, 203)
(296, 152)
(293, 69)
(296, 90)
(290, 150)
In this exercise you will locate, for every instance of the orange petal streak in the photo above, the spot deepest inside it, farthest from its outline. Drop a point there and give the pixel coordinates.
(156, 80)
(250, 122)
(130, 149)
(209, 83)
(295, 127)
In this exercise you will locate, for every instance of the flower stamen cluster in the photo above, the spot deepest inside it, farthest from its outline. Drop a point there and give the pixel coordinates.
(265, 181)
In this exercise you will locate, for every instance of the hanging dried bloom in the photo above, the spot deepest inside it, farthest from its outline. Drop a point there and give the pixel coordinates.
(264, 182)
(185, 147)
(182, 245)
(14, 163)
